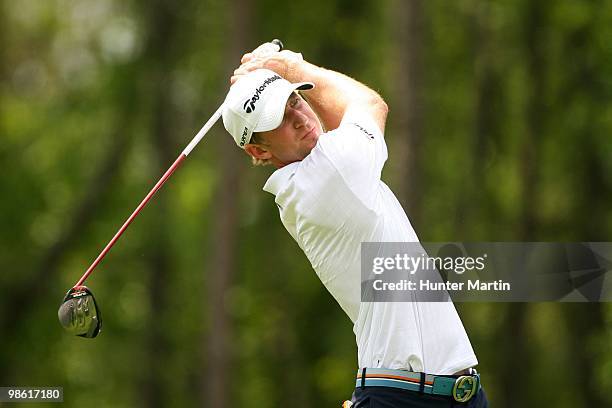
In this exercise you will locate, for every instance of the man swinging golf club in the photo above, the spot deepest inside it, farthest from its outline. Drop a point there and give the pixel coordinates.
(329, 150)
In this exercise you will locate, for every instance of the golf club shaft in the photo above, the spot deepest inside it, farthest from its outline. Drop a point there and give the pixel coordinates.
(177, 163)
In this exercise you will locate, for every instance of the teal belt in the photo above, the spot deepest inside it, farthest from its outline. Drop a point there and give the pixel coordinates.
(462, 388)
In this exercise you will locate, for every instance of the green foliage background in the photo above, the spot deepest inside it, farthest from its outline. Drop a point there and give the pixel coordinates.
(500, 129)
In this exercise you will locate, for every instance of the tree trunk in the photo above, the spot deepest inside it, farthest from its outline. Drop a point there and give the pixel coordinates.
(488, 97)
(518, 361)
(407, 106)
(586, 323)
(219, 348)
(161, 54)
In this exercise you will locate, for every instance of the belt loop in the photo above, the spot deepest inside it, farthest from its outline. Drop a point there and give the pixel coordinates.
(363, 377)
(422, 384)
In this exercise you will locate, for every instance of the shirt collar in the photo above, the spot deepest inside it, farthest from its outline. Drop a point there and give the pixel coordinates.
(280, 178)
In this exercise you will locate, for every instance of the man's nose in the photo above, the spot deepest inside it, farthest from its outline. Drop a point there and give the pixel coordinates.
(299, 119)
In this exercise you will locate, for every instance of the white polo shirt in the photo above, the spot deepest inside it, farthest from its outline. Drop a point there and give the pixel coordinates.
(330, 203)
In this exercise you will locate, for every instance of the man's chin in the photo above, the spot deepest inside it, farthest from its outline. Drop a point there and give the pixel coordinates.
(309, 145)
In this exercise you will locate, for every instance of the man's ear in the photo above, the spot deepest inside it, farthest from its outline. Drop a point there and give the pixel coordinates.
(257, 151)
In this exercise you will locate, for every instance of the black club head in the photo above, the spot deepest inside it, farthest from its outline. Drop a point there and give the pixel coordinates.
(79, 314)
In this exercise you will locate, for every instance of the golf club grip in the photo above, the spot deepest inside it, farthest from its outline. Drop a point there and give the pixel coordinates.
(278, 42)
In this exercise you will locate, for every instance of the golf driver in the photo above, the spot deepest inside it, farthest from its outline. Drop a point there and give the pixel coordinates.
(79, 313)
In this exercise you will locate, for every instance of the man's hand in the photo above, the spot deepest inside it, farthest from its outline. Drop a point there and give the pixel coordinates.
(267, 56)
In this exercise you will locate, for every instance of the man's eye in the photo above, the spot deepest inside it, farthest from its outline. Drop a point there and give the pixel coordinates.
(294, 101)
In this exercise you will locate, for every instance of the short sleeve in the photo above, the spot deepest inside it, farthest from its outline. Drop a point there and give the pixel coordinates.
(358, 152)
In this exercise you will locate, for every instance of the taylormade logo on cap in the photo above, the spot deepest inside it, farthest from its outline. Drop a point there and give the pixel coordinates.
(249, 105)
(262, 89)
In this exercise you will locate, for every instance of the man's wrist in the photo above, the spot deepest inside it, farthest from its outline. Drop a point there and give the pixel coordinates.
(300, 70)
(294, 71)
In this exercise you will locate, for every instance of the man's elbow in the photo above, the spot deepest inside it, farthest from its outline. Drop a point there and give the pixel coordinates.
(382, 106)
(380, 110)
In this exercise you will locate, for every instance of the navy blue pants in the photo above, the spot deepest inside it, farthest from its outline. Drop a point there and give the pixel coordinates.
(386, 397)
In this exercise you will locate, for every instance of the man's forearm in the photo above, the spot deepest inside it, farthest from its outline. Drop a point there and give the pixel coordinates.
(335, 92)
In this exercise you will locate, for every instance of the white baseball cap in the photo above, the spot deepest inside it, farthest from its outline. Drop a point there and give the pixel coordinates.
(256, 103)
